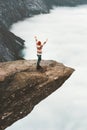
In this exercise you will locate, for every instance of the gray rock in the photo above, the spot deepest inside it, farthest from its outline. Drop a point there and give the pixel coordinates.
(10, 46)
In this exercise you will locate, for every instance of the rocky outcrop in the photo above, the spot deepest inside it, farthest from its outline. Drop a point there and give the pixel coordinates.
(13, 10)
(22, 87)
(10, 46)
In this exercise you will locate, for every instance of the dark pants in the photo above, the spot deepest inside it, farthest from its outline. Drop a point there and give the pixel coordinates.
(39, 60)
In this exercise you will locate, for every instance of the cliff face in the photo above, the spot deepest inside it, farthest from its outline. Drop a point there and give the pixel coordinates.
(22, 87)
(10, 45)
(13, 10)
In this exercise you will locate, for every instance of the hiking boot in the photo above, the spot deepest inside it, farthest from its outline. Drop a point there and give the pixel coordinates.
(39, 67)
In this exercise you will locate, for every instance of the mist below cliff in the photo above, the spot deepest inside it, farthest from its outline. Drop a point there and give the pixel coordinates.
(66, 29)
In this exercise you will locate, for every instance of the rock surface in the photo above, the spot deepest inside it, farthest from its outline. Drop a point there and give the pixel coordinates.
(10, 46)
(22, 87)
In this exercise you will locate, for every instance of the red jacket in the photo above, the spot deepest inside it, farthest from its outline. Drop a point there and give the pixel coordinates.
(39, 48)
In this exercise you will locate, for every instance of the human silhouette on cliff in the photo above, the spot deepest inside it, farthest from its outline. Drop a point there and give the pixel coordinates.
(39, 46)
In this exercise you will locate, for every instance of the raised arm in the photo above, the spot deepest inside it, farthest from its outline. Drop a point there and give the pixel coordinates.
(36, 38)
(45, 41)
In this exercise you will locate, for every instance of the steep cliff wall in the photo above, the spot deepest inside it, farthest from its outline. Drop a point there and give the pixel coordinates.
(14, 10)
(10, 45)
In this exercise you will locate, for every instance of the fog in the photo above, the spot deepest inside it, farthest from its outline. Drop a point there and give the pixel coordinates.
(66, 30)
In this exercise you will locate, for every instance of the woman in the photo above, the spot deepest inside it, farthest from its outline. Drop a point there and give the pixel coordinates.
(39, 46)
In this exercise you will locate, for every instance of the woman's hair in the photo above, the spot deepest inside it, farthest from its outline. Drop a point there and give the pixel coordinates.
(39, 43)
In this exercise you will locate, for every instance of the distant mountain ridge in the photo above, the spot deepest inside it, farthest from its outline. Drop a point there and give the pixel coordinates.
(13, 10)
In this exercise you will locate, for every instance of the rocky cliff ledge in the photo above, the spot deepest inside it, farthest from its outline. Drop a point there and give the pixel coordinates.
(22, 87)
